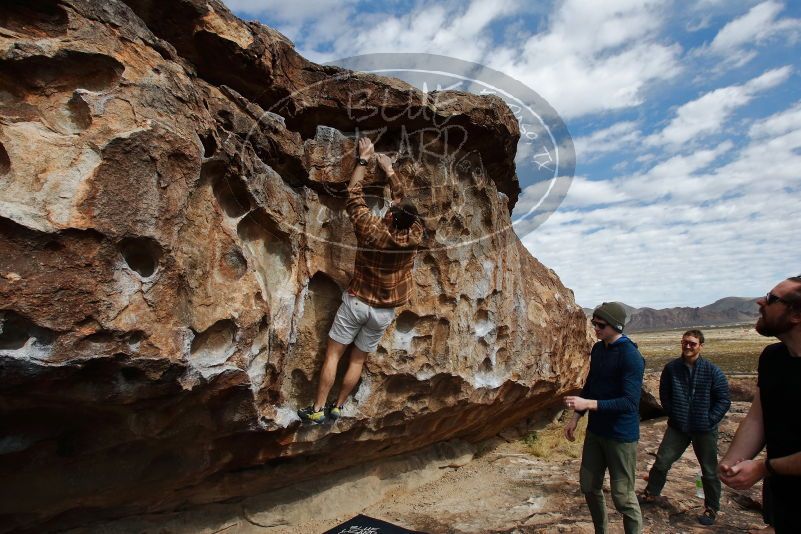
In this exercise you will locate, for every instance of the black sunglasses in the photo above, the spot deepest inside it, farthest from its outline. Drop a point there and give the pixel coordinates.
(599, 325)
(770, 298)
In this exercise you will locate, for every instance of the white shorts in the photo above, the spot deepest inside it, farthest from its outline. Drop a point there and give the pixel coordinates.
(358, 322)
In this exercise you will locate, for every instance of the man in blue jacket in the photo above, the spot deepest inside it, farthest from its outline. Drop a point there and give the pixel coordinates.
(612, 395)
(695, 394)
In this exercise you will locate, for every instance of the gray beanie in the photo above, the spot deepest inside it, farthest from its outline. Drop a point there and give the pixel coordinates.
(613, 313)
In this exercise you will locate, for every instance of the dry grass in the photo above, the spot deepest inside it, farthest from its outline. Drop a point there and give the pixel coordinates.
(550, 443)
(735, 349)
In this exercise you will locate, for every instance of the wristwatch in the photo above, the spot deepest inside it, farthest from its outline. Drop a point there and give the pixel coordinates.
(361, 161)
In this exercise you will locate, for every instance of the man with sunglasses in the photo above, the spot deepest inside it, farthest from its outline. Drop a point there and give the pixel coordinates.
(695, 394)
(773, 419)
(612, 396)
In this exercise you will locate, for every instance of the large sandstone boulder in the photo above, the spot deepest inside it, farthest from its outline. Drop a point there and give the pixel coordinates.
(173, 246)
(650, 405)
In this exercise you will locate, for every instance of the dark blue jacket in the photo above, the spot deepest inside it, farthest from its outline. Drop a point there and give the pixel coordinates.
(694, 401)
(615, 381)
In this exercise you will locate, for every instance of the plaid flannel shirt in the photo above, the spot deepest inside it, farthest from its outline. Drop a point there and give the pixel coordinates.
(382, 276)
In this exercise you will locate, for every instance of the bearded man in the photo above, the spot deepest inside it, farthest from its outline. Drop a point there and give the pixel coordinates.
(773, 419)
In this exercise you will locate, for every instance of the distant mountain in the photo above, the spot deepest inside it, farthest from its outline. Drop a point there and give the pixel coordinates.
(723, 312)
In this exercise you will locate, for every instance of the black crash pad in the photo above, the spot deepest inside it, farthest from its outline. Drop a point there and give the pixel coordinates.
(362, 524)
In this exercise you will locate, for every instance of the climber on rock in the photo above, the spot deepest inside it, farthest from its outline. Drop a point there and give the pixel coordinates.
(382, 281)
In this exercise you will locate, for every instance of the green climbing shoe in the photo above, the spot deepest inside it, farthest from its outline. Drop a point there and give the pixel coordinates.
(310, 415)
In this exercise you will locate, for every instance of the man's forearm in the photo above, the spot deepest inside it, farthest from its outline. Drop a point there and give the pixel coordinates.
(355, 202)
(787, 465)
(623, 404)
(582, 405)
(357, 176)
(395, 186)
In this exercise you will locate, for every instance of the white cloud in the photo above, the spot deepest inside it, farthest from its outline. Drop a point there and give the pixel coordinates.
(447, 29)
(589, 57)
(594, 56)
(336, 30)
(596, 26)
(771, 161)
(677, 177)
(610, 139)
(584, 192)
(778, 124)
(694, 25)
(707, 114)
(756, 26)
(717, 233)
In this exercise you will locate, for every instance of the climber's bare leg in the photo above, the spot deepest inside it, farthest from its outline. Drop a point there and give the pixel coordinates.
(328, 373)
(352, 375)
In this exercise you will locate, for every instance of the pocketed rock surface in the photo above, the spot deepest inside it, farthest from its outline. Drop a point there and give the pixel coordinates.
(173, 247)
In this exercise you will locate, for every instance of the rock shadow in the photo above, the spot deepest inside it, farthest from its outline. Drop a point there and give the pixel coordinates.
(141, 254)
(34, 18)
(18, 333)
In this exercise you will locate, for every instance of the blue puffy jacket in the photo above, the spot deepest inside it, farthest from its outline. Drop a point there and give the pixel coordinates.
(696, 400)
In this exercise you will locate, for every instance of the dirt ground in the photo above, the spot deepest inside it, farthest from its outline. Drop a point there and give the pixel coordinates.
(508, 489)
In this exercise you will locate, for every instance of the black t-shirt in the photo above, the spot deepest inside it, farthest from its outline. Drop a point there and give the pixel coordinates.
(780, 392)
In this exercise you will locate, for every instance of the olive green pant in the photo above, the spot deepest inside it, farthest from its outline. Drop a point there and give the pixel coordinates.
(620, 458)
(705, 445)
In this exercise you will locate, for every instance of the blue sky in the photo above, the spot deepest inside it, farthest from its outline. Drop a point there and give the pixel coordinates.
(686, 118)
